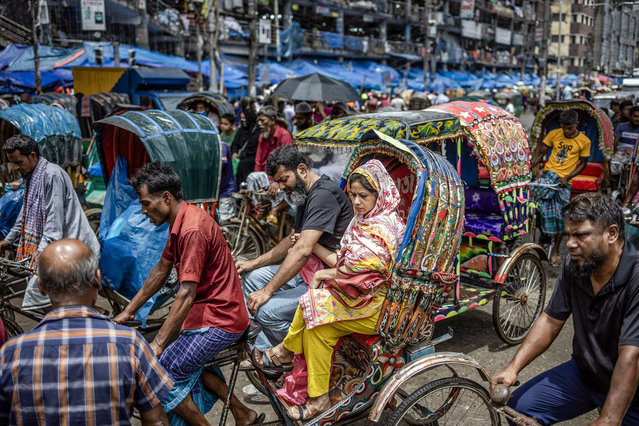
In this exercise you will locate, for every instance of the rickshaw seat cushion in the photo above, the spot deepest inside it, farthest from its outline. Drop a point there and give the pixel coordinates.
(482, 200)
(367, 341)
(481, 223)
(590, 179)
(483, 172)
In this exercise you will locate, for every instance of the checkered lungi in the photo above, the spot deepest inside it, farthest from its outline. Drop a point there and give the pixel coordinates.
(551, 201)
(184, 360)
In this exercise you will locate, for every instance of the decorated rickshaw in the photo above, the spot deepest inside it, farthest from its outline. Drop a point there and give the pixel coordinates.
(371, 373)
(595, 124)
(68, 102)
(477, 138)
(97, 106)
(190, 144)
(493, 160)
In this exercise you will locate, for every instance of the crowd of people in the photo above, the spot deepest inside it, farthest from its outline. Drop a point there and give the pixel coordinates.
(326, 280)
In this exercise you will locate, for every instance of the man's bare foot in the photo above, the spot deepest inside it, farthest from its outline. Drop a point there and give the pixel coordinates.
(555, 260)
(248, 417)
(312, 408)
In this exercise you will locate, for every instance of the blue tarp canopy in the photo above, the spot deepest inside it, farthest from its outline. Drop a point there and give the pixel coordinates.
(39, 121)
(24, 81)
(11, 52)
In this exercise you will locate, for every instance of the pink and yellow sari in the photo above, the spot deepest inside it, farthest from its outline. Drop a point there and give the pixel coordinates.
(370, 244)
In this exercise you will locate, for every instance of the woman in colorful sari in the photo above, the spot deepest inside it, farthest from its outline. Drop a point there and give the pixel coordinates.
(341, 300)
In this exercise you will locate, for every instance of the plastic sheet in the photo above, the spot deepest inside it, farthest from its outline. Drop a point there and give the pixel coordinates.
(131, 248)
(10, 205)
(119, 195)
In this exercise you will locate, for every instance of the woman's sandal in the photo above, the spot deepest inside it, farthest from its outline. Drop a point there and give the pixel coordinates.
(305, 412)
(269, 361)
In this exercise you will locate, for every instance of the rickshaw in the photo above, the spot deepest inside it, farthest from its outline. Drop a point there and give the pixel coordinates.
(190, 144)
(54, 129)
(371, 373)
(95, 107)
(595, 124)
(493, 256)
(215, 102)
(69, 102)
(492, 158)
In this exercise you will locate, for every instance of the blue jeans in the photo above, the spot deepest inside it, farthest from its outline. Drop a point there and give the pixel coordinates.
(276, 315)
(561, 394)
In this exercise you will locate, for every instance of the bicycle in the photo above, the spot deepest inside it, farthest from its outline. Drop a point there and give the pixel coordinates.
(249, 236)
(14, 277)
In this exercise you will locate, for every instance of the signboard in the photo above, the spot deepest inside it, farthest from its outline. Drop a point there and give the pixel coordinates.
(264, 31)
(502, 36)
(518, 39)
(467, 9)
(93, 16)
(471, 29)
(43, 13)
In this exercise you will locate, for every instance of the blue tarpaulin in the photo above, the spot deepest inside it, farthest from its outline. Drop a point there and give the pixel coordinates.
(24, 81)
(11, 52)
(39, 121)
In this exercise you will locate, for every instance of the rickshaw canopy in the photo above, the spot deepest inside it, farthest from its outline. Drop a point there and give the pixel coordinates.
(189, 143)
(213, 99)
(498, 141)
(418, 126)
(69, 102)
(593, 122)
(54, 129)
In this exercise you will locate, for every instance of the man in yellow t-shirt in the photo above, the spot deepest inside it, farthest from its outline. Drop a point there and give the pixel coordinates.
(568, 158)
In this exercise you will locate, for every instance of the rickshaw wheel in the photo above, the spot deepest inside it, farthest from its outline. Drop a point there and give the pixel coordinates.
(255, 381)
(519, 301)
(250, 245)
(93, 215)
(450, 400)
(12, 328)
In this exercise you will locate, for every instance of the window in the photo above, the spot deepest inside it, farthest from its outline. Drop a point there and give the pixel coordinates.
(572, 39)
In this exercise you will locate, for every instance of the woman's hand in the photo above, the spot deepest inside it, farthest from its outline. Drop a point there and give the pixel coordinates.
(318, 278)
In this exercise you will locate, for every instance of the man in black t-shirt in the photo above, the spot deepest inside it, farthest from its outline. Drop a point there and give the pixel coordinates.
(272, 283)
(599, 286)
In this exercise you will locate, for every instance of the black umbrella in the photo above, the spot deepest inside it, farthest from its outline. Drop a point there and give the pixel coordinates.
(315, 87)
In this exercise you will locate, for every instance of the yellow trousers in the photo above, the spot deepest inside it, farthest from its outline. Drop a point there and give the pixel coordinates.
(317, 346)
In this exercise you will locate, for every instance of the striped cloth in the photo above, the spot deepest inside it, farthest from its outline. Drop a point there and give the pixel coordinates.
(185, 359)
(34, 213)
(77, 367)
(551, 201)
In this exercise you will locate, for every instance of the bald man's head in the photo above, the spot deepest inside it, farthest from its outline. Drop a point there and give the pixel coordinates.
(67, 269)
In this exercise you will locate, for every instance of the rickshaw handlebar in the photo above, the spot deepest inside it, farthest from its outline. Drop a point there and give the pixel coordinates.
(544, 185)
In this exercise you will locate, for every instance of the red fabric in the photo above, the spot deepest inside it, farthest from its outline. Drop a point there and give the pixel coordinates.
(200, 254)
(590, 179)
(483, 173)
(3, 333)
(593, 169)
(265, 146)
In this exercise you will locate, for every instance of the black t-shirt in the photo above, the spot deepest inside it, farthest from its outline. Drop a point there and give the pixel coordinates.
(327, 209)
(603, 322)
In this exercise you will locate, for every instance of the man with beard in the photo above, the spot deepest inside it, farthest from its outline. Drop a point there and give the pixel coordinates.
(303, 118)
(51, 211)
(324, 211)
(271, 136)
(599, 286)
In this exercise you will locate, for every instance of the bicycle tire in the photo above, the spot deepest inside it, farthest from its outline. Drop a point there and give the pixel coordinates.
(455, 384)
(12, 328)
(511, 293)
(250, 247)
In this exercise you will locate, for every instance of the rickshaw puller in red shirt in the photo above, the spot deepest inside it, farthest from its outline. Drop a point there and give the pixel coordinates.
(208, 311)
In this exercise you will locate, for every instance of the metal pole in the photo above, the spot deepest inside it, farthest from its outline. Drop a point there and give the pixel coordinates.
(252, 59)
(276, 10)
(199, 43)
(523, 46)
(561, 3)
(426, 43)
(34, 35)
(545, 47)
(116, 54)
(213, 83)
